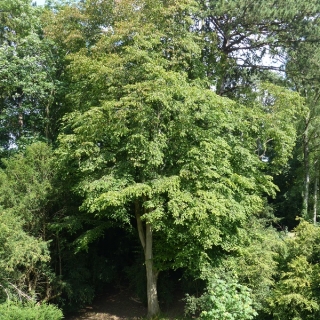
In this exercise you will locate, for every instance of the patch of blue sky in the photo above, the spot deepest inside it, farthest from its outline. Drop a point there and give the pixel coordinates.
(40, 2)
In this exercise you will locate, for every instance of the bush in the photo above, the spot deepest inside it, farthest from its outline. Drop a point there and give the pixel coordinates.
(223, 300)
(296, 294)
(29, 311)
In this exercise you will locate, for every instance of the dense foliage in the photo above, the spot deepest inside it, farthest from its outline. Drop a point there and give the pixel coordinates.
(146, 141)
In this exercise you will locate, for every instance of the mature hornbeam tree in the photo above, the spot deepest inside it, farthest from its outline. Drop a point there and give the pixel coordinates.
(150, 142)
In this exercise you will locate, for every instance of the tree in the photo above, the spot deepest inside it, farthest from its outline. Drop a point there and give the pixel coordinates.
(303, 75)
(245, 38)
(21, 257)
(149, 143)
(26, 186)
(26, 75)
(244, 41)
(26, 191)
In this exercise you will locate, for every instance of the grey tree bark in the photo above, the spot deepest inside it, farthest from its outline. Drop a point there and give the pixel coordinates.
(315, 191)
(146, 238)
(306, 163)
(152, 276)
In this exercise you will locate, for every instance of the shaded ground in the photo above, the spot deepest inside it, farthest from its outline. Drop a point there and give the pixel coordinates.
(123, 305)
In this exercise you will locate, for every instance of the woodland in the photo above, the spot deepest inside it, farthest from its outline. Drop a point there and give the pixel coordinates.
(160, 145)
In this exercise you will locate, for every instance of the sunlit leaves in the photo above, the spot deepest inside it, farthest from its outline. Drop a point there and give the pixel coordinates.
(295, 295)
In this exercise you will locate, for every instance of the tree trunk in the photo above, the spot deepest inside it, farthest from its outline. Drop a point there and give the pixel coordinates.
(315, 192)
(20, 117)
(306, 171)
(152, 274)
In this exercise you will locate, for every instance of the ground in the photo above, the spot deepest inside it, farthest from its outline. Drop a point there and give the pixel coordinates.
(123, 304)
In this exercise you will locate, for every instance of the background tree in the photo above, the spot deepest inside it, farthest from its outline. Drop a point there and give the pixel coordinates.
(243, 36)
(27, 81)
(303, 73)
(21, 257)
(26, 196)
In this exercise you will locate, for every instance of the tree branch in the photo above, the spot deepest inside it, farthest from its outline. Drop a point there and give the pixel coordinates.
(142, 236)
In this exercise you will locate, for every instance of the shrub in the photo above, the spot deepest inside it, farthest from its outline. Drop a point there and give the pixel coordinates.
(223, 300)
(29, 311)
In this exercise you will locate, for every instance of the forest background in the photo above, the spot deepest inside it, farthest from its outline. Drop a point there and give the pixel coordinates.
(160, 145)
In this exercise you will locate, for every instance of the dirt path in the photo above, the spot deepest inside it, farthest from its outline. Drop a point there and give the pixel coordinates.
(118, 306)
(122, 305)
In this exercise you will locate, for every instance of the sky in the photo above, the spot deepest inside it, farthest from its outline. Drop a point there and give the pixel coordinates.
(40, 2)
